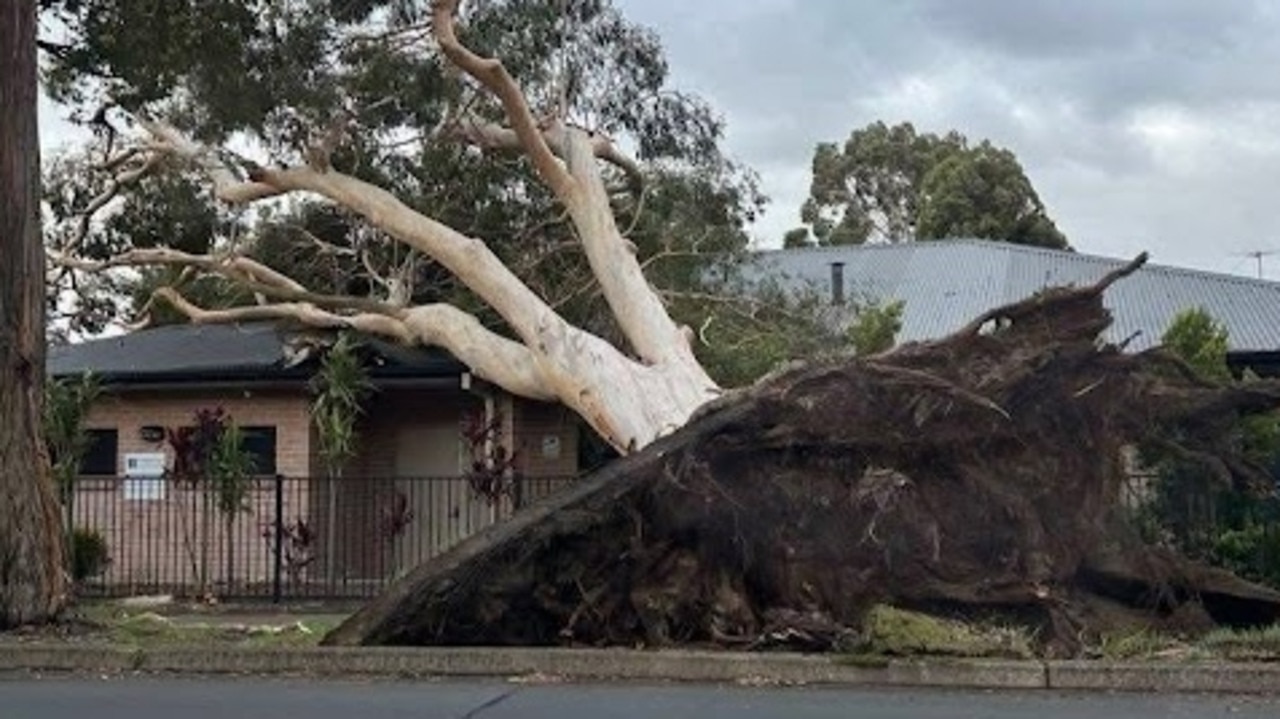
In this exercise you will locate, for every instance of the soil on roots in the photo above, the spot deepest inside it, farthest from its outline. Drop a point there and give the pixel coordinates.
(978, 473)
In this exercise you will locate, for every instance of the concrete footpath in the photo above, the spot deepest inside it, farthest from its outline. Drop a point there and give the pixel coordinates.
(593, 665)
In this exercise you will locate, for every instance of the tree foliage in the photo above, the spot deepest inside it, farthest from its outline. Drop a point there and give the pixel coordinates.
(876, 327)
(1191, 507)
(282, 75)
(1201, 341)
(894, 184)
(67, 402)
(339, 391)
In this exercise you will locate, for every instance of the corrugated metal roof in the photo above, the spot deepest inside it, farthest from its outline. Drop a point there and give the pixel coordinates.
(946, 283)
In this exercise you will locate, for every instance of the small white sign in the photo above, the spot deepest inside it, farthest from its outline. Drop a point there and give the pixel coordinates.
(144, 464)
(144, 476)
(551, 446)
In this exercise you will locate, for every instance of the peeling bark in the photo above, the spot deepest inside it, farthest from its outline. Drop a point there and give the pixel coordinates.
(32, 581)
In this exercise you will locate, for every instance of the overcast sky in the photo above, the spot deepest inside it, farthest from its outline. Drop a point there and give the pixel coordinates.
(1144, 124)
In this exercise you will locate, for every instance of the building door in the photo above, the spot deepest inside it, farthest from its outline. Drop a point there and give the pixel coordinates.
(444, 509)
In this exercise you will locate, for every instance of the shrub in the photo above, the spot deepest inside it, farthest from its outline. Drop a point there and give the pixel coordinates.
(89, 554)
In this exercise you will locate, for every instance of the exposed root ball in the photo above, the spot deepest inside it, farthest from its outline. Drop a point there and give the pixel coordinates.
(976, 472)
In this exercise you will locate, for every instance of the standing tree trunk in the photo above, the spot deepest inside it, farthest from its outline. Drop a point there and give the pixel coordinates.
(33, 583)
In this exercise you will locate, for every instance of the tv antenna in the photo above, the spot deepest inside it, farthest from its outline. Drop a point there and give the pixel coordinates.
(1257, 255)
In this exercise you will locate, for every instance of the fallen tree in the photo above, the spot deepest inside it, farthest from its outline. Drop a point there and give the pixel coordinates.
(979, 472)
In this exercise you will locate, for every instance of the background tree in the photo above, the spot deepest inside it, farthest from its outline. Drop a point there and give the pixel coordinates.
(1193, 507)
(1200, 341)
(892, 184)
(33, 583)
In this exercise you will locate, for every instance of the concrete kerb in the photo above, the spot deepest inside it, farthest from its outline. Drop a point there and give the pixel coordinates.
(656, 666)
(564, 664)
(1221, 678)
(62, 657)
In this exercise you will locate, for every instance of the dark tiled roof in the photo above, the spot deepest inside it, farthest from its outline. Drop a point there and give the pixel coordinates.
(944, 284)
(246, 352)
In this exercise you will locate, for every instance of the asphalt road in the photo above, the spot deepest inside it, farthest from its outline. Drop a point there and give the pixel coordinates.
(151, 698)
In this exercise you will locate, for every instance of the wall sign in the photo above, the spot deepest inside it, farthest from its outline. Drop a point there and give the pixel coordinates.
(144, 476)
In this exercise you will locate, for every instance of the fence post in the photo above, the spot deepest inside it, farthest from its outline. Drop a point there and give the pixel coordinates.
(277, 567)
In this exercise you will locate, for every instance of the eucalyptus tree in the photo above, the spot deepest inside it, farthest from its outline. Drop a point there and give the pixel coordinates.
(479, 178)
(33, 584)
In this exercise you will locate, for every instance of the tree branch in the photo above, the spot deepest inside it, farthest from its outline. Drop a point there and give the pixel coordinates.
(304, 312)
(469, 259)
(491, 73)
(491, 356)
(491, 135)
(226, 185)
(641, 315)
(246, 272)
(117, 183)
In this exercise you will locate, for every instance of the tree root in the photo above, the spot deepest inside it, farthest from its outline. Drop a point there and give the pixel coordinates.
(980, 472)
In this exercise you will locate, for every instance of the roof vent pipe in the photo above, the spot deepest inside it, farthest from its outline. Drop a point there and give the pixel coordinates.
(837, 283)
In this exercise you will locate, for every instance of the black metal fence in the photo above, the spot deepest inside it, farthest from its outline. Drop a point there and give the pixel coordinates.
(277, 537)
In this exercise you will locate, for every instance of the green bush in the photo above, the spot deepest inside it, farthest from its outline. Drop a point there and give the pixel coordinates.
(1252, 551)
(89, 554)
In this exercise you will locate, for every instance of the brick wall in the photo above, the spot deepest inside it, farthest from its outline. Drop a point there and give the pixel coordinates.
(171, 540)
(286, 411)
(546, 439)
(367, 502)
(153, 542)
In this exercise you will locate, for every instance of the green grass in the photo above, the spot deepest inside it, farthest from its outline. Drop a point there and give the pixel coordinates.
(1262, 644)
(153, 630)
(111, 623)
(1243, 644)
(892, 632)
(1140, 643)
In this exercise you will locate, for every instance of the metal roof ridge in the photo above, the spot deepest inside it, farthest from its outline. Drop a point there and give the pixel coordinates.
(1011, 247)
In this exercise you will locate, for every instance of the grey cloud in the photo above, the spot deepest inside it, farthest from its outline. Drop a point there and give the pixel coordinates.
(1145, 124)
(1069, 85)
(1091, 27)
(1112, 56)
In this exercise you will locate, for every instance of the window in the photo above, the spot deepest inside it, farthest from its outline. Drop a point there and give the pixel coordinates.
(100, 455)
(260, 444)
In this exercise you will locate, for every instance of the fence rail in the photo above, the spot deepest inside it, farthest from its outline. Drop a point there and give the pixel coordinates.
(283, 538)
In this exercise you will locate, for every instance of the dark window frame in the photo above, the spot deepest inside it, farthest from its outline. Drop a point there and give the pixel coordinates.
(101, 460)
(262, 442)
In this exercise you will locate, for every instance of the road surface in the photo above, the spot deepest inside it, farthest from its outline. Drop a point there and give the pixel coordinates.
(186, 698)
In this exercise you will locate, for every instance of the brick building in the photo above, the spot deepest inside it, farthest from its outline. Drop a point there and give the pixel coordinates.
(403, 498)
